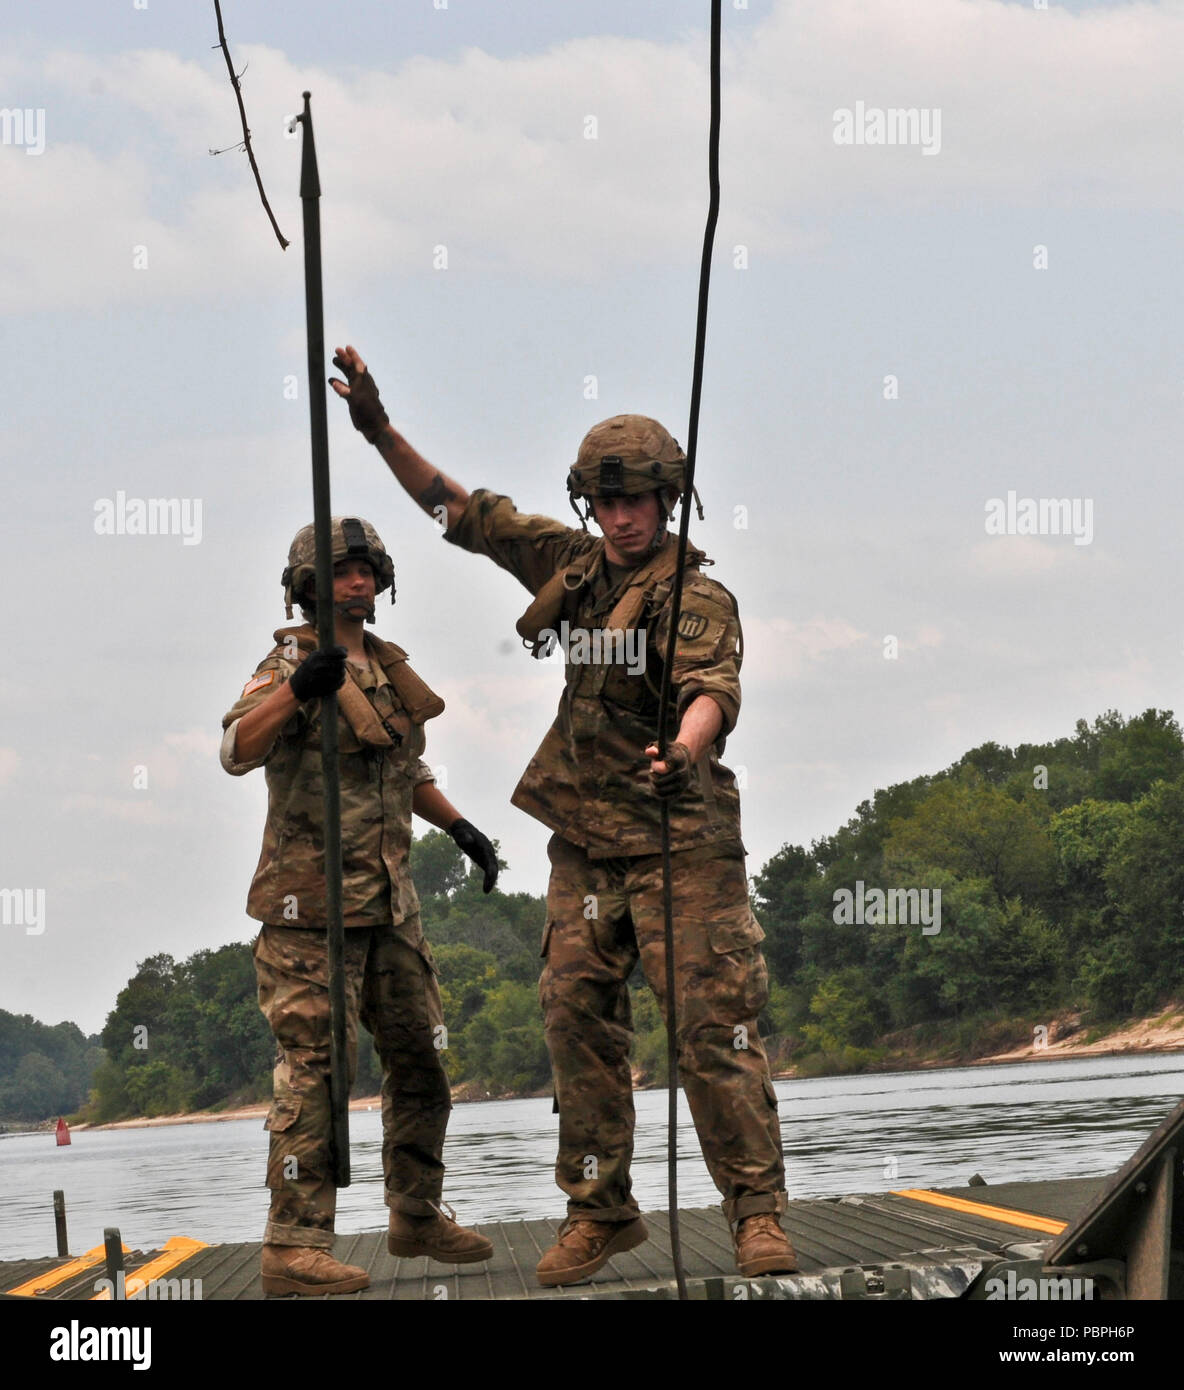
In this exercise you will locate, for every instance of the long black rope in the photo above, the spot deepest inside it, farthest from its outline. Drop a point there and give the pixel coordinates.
(671, 641)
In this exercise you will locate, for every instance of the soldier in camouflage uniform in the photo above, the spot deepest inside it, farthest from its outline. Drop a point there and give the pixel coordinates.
(597, 783)
(390, 977)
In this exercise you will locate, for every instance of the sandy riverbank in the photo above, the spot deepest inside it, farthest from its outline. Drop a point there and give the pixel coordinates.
(202, 1117)
(1067, 1039)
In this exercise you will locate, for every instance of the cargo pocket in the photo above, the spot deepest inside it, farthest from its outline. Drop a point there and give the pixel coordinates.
(544, 990)
(425, 954)
(437, 1031)
(741, 975)
(284, 1112)
(735, 932)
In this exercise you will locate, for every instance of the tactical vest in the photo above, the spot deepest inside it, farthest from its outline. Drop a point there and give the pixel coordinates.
(589, 779)
(380, 745)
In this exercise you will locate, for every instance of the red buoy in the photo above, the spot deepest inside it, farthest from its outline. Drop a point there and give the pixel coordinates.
(63, 1132)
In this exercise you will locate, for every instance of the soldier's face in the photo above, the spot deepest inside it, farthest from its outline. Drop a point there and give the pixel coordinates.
(353, 589)
(629, 524)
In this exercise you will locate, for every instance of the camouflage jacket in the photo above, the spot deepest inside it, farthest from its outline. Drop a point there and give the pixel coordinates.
(377, 785)
(589, 780)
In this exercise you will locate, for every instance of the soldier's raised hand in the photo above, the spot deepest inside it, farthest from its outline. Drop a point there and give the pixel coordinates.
(365, 407)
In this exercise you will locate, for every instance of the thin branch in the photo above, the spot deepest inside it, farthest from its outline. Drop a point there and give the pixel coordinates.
(246, 133)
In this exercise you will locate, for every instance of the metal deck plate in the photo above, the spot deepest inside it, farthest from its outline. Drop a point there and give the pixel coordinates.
(942, 1251)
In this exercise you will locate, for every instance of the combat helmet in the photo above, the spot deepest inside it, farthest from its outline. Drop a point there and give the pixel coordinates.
(624, 456)
(352, 537)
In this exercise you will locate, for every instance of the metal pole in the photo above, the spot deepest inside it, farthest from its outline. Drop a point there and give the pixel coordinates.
(113, 1258)
(59, 1220)
(310, 193)
(671, 643)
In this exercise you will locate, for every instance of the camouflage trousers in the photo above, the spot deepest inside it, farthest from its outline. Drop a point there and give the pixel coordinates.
(602, 915)
(390, 985)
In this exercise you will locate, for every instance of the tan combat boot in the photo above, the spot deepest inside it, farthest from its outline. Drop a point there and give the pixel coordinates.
(437, 1236)
(583, 1246)
(762, 1247)
(307, 1269)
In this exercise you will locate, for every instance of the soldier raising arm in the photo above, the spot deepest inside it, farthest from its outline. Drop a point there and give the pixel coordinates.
(446, 500)
(595, 782)
(427, 485)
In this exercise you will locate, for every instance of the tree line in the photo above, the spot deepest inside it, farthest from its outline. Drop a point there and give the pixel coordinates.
(44, 1070)
(1052, 874)
(1061, 886)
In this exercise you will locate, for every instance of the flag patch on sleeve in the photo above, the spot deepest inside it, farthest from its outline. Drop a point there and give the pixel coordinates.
(257, 683)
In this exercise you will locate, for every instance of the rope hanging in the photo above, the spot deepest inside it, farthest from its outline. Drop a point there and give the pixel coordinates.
(676, 605)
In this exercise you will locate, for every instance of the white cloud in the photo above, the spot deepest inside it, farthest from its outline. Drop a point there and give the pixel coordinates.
(488, 156)
(114, 808)
(1021, 557)
(779, 647)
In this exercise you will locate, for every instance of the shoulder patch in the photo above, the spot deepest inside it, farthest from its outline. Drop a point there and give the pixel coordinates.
(257, 683)
(691, 625)
(710, 591)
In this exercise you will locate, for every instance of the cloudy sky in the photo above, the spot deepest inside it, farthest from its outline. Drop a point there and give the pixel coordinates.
(899, 333)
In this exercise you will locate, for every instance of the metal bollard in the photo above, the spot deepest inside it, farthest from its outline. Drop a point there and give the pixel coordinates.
(59, 1220)
(114, 1259)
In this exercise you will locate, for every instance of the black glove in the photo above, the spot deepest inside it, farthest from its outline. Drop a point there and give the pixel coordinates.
(320, 673)
(478, 848)
(677, 777)
(365, 407)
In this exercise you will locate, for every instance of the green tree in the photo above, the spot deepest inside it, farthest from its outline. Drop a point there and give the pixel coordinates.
(36, 1090)
(44, 1070)
(975, 831)
(988, 957)
(1142, 961)
(198, 1027)
(466, 977)
(482, 927)
(157, 1088)
(1084, 838)
(842, 1010)
(648, 1053)
(109, 1098)
(138, 1021)
(505, 1045)
(782, 893)
(1147, 749)
(438, 868)
(216, 1030)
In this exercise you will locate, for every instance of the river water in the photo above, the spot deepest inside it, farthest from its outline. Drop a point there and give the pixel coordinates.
(1028, 1121)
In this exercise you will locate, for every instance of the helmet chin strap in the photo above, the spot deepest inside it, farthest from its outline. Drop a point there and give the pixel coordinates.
(341, 609)
(664, 515)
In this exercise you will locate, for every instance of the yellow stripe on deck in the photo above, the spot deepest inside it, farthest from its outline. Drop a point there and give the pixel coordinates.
(53, 1277)
(177, 1250)
(1005, 1215)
